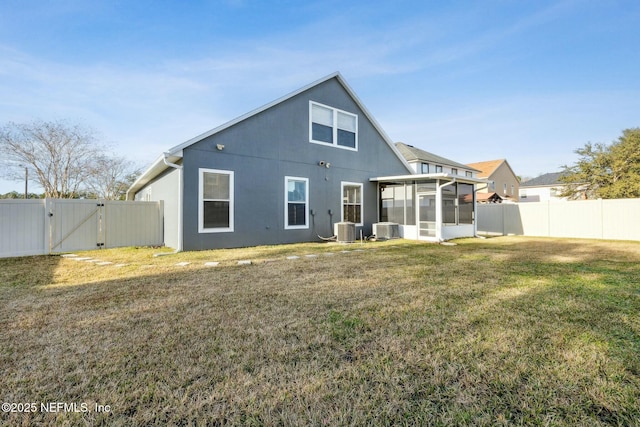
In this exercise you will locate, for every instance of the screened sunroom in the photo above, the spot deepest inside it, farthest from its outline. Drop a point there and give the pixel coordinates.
(433, 207)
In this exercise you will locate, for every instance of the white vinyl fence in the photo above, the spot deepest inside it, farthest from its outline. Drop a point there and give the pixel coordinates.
(43, 226)
(615, 219)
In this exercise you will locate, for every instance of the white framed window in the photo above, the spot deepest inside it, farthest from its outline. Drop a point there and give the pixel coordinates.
(215, 201)
(352, 202)
(296, 203)
(438, 169)
(331, 126)
(454, 171)
(424, 168)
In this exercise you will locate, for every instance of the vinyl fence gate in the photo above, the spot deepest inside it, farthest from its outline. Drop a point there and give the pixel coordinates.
(37, 227)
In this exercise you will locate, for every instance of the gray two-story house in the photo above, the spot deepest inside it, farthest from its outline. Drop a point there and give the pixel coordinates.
(283, 173)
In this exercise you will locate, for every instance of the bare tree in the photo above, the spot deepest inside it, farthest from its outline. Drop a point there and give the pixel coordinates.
(110, 177)
(58, 155)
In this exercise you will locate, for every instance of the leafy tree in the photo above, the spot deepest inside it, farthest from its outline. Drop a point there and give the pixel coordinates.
(605, 171)
(66, 160)
(16, 195)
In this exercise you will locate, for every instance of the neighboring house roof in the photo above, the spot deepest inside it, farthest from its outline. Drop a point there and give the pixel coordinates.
(488, 167)
(413, 154)
(552, 178)
(174, 154)
(488, 198)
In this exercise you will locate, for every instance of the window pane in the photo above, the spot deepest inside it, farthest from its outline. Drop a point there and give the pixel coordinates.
(410, 209)
(465, 204)
(297, 213)
(428, 208)
(449, 191)
(449, 204)
(346, 138)
(321, 133)
(351, 194)
(346, 122)
(216, 214)
(216, 186)
(425, 168)
(448, 211)
(321, 115)
(296, 191)
(351, 213)
(426, 187)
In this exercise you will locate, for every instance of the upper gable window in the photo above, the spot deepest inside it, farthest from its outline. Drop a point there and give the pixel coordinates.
(332, 126)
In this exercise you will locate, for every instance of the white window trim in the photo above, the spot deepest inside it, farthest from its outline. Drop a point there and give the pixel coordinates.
(286, 203)
(201, 228)
(335, 127)
(352, 184)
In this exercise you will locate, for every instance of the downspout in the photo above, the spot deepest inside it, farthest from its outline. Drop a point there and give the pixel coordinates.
(439, 210)
(180, 198)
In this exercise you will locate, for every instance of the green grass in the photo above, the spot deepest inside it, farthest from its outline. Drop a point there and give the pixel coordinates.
(503, 331)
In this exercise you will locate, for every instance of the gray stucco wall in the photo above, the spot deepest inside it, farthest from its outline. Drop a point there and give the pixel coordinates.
(265, 148)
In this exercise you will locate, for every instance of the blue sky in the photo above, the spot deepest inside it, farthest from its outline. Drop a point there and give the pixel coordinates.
(529, 81)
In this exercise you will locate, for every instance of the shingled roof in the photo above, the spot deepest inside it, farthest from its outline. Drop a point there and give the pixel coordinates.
(413, 154)
(486, 168)
(552, 178)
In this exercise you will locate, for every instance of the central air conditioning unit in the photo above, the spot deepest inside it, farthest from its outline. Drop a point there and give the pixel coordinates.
(345, 232)
(386, 230)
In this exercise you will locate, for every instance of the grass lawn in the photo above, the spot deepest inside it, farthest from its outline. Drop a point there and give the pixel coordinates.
(502, 331)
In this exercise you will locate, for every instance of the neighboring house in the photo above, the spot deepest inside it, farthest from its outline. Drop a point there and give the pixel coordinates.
(288, 171)
(543, 188)
(424, 162)
(502, 179)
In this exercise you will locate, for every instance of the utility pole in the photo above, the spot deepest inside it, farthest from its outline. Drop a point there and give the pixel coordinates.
(26, 183)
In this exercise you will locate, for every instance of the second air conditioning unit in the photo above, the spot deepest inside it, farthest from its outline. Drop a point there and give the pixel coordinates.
(386, 230)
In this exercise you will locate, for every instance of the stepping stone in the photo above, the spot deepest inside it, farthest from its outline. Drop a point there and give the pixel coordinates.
(183, 264)
(244, 262)
(311, 256)
(81, 258)
(293, 257)
(328, 253)
(211, 264)
(69, 256)
(104, 263)
(120, 265)
(345, 252)
(359, 250)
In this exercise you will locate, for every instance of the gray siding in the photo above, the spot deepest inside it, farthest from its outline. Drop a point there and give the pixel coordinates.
(265, 148)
